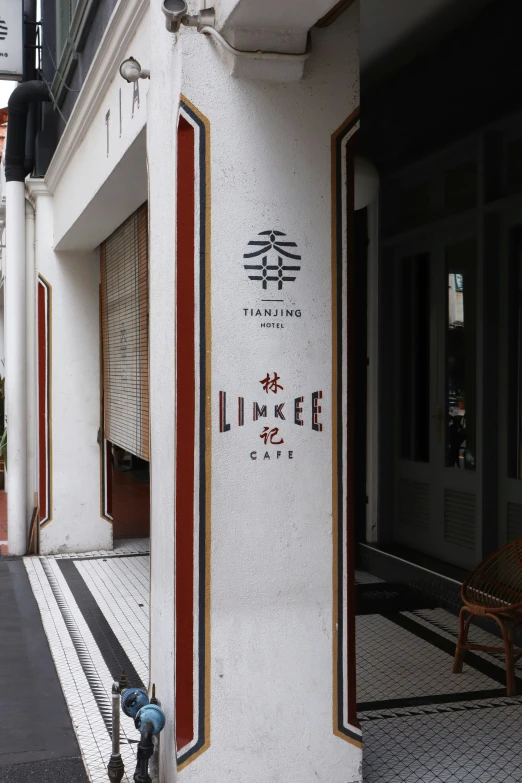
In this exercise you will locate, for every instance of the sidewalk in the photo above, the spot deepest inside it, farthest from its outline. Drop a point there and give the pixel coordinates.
(421, 723)
(95, 611)
(37, 740)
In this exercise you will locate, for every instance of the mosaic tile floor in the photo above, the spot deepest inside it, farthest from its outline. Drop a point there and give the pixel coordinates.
(421, 723)
(95, 612)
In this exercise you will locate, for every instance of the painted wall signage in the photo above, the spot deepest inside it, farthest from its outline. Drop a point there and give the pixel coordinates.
(11, 40)
(273, 262)
(131, 93)
(274, 432)
(276, 403)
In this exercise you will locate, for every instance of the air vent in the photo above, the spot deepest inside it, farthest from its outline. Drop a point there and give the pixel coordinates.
(414, 504)
(460, 518)
(514, 521)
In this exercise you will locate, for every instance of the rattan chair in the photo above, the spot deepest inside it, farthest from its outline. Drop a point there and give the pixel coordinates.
(494, 590)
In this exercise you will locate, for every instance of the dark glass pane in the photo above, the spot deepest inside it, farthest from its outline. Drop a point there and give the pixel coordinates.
(414, 358)
(514, 166)
(515, 360)
(461, 336)
(460, 187)
(415, 205)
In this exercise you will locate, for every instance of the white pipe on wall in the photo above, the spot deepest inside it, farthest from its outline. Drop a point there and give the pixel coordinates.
(15, 373)
(30, 325)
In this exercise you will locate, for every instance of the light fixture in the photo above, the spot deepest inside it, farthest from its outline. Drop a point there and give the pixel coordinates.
(131, 70)
(176, 14)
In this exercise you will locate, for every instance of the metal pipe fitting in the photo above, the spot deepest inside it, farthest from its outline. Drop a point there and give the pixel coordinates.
(145, 751)
(116, 767)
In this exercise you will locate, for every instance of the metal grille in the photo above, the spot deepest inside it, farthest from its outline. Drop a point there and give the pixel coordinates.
(124, 306)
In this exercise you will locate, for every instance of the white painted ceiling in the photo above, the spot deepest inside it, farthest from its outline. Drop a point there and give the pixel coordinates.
(386, 24)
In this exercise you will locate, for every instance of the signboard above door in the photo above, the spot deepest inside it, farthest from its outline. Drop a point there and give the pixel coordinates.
(11, 39)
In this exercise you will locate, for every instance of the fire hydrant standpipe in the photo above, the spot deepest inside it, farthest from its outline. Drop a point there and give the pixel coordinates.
(149, 719)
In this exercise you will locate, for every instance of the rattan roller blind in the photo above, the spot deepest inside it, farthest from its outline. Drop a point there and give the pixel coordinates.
(125, 345)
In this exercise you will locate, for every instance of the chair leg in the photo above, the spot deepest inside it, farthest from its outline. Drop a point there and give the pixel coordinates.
(507, 636)
(464, 623)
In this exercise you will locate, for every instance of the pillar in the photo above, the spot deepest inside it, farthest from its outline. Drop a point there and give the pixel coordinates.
(251, 634)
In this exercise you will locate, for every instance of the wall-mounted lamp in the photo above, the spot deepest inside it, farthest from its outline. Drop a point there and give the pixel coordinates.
(176, 14)
(131, 70)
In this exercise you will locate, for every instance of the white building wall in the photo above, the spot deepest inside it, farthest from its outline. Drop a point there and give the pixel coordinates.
(269, 659)
(270, 581)
(96, 179)
(76, 524)
(2, 348)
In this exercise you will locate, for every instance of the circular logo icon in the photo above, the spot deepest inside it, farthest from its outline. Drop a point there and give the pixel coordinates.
(3, 30)
(272, 259)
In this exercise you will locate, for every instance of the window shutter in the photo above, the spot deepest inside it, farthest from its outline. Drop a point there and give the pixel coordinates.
(125, 345)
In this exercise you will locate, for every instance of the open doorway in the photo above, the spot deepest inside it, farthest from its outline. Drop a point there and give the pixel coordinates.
(447, 444)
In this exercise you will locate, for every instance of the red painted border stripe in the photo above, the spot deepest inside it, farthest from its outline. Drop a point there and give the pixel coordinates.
(185, 434)
(42, 401)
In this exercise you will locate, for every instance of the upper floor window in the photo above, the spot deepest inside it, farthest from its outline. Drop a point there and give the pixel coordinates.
(64, 15)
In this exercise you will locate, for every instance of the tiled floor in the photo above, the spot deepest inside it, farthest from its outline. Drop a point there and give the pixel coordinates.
(94, 609)
(421, 723)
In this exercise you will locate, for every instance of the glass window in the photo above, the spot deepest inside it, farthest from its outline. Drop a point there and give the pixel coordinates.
(515, 359)
(460, 187)
(414, 315)
(461, 335)
(64, 13)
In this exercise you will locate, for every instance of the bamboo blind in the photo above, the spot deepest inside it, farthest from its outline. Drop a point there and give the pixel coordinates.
(125, 345)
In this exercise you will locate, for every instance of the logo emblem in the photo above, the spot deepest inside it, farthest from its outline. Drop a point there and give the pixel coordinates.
(271, 254)
(3, 30)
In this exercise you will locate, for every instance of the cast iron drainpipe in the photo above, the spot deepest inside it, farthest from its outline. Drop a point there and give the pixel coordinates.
(15, 311)
(145, 751)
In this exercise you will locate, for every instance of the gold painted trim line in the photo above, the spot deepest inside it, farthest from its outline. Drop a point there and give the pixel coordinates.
(334, 13)
(339, 688)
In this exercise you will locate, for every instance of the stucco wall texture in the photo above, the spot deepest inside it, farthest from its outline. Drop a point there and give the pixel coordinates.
(268, 657)
(270, 581)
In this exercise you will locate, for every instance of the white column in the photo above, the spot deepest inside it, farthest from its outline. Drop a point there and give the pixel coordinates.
(15, 383)
(30, 321)
(162, 111)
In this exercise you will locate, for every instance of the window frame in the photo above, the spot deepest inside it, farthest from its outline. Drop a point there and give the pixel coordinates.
(80, 14)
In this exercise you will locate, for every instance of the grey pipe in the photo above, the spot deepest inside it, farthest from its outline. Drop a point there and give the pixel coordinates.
(116, 767)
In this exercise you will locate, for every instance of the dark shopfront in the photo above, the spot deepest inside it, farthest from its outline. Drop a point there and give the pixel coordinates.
(450, 292)
(444, 415)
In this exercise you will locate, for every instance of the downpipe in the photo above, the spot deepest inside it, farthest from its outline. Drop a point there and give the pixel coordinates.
(31, 329)
(16, 323)
(15, 368)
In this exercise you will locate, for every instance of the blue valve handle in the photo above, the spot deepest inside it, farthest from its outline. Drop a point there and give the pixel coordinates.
(152, 714)
(132, 700)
